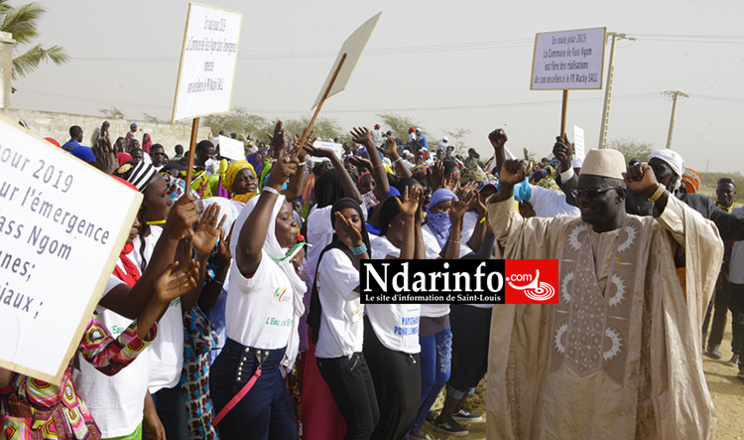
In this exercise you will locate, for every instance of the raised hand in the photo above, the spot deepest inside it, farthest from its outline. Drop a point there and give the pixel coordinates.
(362, 136)
(411, 197)
(513, 172)
(284, 168)
(436, 175)
(174, 282)
(277, 140)
(106, 160)
(498, 138)
(207, 231)
(360, 162)
(320, 152)
(641, 179)
(391, 147)
(223, 248)
(459, 208)
(181, 217)
(354, 233)
(563, 151)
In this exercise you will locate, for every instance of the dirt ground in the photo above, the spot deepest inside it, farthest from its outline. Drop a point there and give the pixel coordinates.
(725, 388)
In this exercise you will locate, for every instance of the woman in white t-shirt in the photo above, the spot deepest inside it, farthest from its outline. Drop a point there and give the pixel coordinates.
(391, 344)
(336, 320)
(263, 303)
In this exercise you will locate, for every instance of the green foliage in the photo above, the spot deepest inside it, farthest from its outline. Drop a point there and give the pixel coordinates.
(326, 128)
(239, 121)
(113, 112)
(22, 22)
(399, 125)
(631, 148)
(455, 139)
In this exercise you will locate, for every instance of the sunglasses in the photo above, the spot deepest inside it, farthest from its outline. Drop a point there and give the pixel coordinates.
(592, 193)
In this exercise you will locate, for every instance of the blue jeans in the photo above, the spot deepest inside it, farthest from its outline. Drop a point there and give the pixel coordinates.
(436, 359)
(266, 411)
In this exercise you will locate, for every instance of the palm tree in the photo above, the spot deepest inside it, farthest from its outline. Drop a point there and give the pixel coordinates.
(21, 23)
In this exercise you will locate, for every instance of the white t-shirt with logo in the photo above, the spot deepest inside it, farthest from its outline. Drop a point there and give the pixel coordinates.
(166, 351)
(259, 312)
(341, 326)
(116, 402)
(396, 325)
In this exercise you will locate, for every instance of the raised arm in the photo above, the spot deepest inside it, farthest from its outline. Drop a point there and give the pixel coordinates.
(253, 233)
(347, 183)
(408, 207)
(391, 150)
(364, 137)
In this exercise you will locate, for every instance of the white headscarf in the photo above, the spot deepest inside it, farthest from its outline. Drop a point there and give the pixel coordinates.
(283, 258)
(674, 160)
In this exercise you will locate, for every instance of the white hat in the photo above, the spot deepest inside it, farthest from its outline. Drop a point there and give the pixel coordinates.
(604, 163)
(444, 139)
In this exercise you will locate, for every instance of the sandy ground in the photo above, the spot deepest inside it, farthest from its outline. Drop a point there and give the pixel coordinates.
(725, 388)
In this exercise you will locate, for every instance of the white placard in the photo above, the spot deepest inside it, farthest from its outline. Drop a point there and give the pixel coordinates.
(337, 149)
(568, 60)
(231, 148)
(578, 135)
(208, 60)
(353, 48)
(63, 226)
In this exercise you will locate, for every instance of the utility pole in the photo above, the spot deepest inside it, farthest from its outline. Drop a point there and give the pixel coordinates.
(608, 89)
(674, 94)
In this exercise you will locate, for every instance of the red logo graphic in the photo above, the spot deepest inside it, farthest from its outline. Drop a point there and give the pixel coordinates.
(531, 282)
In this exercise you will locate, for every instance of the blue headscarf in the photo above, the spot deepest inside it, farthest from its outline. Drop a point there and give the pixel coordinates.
(439, 223)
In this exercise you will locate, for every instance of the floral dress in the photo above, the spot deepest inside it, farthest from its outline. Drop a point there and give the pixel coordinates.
(31, 409)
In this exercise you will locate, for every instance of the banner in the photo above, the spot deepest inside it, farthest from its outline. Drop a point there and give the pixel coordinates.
(232, 149)
(568, 60)
(208, 59)
(353, 48)
(63, 224)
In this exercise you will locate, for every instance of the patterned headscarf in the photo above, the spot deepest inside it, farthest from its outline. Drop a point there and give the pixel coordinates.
(691, 180)
(177, 188)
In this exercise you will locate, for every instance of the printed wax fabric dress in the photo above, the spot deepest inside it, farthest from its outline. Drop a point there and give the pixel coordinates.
(31, 409)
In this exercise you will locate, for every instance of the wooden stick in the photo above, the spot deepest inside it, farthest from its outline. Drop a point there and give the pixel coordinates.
(192, 151)
(564, 110)
(306, 133)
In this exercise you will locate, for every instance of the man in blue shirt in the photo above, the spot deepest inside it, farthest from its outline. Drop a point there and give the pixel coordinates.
(76, 136)
(423, 142)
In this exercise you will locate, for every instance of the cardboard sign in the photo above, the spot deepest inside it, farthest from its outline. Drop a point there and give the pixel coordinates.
(63, 224)
(353, 48)
(578, 134)
(568, 60)
(338, 149)
(208, 59)
(231, 148)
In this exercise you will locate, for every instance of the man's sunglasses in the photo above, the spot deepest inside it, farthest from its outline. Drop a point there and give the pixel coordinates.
(593, 192)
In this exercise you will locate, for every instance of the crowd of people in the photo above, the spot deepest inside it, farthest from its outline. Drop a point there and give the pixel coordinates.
(235, 304)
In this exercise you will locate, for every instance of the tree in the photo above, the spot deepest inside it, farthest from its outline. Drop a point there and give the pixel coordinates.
(112, 112)
(631, 148)
(21, 23)
(238, 121)
(458, 134)
(398, 124)
(326, 128)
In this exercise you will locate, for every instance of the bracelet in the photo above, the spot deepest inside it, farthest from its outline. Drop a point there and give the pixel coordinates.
(379, 166)
(301, 164)
(455, 241)
(271, 190)
(398, 160)
(483, 220)
(221, 283)
(359, 250)
(659, 191)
